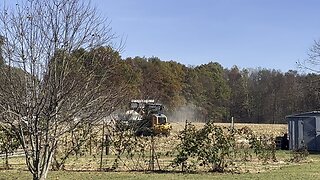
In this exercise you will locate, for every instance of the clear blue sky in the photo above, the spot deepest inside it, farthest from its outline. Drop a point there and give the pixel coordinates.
(247, 33)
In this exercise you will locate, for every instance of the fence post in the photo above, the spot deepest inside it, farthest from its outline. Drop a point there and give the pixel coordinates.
(107, 144)
(102, 144)
(151, 165)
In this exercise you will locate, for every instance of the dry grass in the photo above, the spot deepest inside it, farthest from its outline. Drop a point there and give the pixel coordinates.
(164, 145)
(167, 143)
(253, 169)
(259, 129)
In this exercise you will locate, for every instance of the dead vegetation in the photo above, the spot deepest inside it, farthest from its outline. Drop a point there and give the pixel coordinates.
(135, 153)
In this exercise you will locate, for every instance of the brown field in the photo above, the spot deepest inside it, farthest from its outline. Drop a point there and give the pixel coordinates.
(272, 130)
(163, 145)
(259, 129)
(267, 129)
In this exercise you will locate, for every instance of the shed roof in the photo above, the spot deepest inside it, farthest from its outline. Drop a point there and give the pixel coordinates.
(311, 113)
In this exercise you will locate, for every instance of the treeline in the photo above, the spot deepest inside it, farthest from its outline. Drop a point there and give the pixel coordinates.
(201, 93)
(212, 92)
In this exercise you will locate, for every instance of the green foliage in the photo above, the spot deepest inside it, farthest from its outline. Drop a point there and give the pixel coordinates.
(210, 90)
(263, 146)
(210, 146)
(239, 96)
(187, 148)
(249, 95)
(159, 80)
(217, 148)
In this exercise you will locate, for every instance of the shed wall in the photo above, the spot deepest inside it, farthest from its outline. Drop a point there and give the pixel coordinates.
(304, 131)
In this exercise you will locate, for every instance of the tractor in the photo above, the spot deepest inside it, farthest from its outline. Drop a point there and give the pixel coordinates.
(146, 118)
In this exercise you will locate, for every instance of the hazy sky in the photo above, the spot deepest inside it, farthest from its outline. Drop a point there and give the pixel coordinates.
(248, 33)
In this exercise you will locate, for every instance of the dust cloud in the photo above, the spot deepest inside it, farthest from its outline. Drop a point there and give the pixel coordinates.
(183, 113)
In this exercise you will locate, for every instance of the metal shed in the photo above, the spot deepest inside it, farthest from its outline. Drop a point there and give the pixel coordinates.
(304, 131)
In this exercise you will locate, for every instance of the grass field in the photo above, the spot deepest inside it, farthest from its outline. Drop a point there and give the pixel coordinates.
(88, 165)
(308, 170)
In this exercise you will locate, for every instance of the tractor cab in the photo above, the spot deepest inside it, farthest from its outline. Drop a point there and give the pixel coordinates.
(160, 124)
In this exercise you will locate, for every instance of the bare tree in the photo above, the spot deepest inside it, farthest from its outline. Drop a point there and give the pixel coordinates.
(312, 63)
(46, 88)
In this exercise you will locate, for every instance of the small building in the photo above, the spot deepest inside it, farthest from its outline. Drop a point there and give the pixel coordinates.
(304, 131)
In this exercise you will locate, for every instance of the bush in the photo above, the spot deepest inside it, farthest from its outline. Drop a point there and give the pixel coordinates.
(210, 146)
(299, 155)
(263, 146)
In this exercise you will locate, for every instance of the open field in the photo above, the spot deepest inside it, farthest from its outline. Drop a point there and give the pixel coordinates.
(86, 166)
(268, 129)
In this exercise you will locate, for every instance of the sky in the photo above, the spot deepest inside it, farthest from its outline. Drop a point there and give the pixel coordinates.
(272, 34)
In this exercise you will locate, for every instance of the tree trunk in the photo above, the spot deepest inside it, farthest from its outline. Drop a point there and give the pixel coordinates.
(7, 160)
(107, 144)
(102, 144)
(90, 145)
